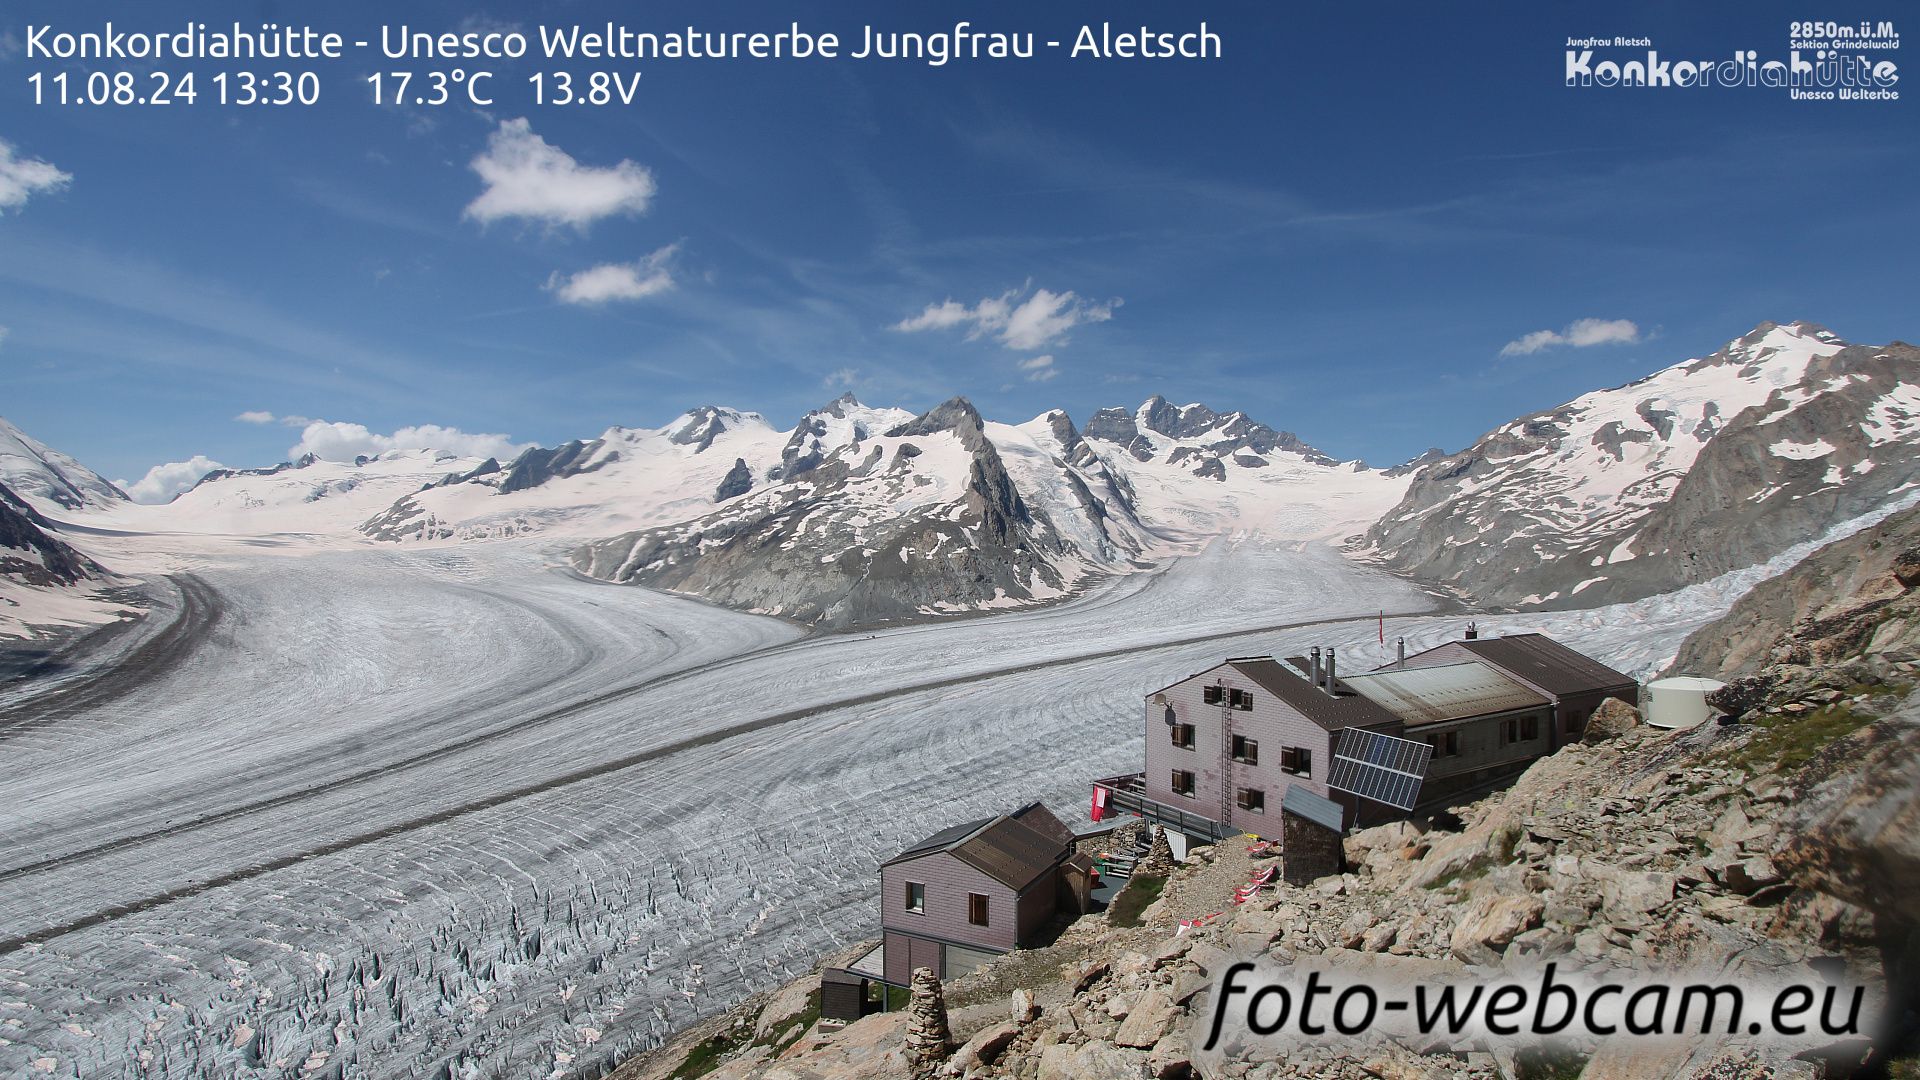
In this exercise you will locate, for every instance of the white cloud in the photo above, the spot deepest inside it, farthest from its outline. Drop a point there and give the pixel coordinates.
(21, 177)
(616, 281)
(256, 416)
(163, 482)
(1579, 334)
(336, 440)
(1016, 320)
(841, 379)
(529, 177)
(1039, 368)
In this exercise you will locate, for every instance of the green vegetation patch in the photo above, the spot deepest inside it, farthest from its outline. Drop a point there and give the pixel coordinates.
(713, 1051)
(1785, 742)
(1141, 891)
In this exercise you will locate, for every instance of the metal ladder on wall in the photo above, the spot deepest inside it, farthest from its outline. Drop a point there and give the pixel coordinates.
(1226, 759)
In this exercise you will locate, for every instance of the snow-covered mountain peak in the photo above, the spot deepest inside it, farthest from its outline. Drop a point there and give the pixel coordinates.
(42, 474)
(699, 427)
(1209, 443)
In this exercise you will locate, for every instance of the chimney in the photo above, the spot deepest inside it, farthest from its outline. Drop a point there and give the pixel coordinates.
(1315, 654)
(1473, 631)
(1402, 643)
(1330, 682)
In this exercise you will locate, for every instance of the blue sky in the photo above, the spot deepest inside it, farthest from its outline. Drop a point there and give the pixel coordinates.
(1338, 227)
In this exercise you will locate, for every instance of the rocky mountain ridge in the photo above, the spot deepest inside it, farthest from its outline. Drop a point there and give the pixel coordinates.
(1707, 466)
(919, 519)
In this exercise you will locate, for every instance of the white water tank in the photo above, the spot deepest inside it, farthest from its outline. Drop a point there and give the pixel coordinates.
(1680, 702)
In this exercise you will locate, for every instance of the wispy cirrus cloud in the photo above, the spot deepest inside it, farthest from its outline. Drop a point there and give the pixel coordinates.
(1017, 319)
(611, 282)
(528, 177)
(1039, 368)
(1578, 334)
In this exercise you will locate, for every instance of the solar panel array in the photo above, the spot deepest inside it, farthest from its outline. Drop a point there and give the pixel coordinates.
(1379, 767)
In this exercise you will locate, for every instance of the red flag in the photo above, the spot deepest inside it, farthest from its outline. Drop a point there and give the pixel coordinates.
(1383, 628)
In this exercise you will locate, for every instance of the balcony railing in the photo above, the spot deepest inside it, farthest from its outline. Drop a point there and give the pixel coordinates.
(1129, 794)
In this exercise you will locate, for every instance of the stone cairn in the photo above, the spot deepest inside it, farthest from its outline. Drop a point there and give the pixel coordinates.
(929, 1041)
(1159, 860)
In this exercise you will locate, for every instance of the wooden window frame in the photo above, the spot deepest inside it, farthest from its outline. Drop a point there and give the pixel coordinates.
(1241, 799)
(1174, 783)
(1174, 732)
(979, 910)
(1240, 699)
(1245, 751)
(1296, 760)
(921, 907)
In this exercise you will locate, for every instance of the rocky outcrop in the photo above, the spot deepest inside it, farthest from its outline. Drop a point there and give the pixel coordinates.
(30, 554)
(536, 465)
(1848, 598)
(737, 482)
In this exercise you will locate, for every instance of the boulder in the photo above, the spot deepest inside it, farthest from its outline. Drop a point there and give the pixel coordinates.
(1149, 1018)
(1749, 876)
(984, 1048)
(1491, 923)
(1023, 1006)
(1613, 718)
(1634, 893)
(1062, 1062)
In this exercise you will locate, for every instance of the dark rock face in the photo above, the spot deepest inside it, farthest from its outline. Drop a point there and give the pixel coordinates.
(28, 554)
(703, 425)
(537, 465)
(738, 481)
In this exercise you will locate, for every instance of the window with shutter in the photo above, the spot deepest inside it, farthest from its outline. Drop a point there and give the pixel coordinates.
(977, 909)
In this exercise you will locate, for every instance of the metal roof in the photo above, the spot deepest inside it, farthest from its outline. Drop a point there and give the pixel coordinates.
(1323, 812)
(1548, 664)
(941, 840)
(1433, 695)
(1037, 817)
(1005, 849)
(1327, 710)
